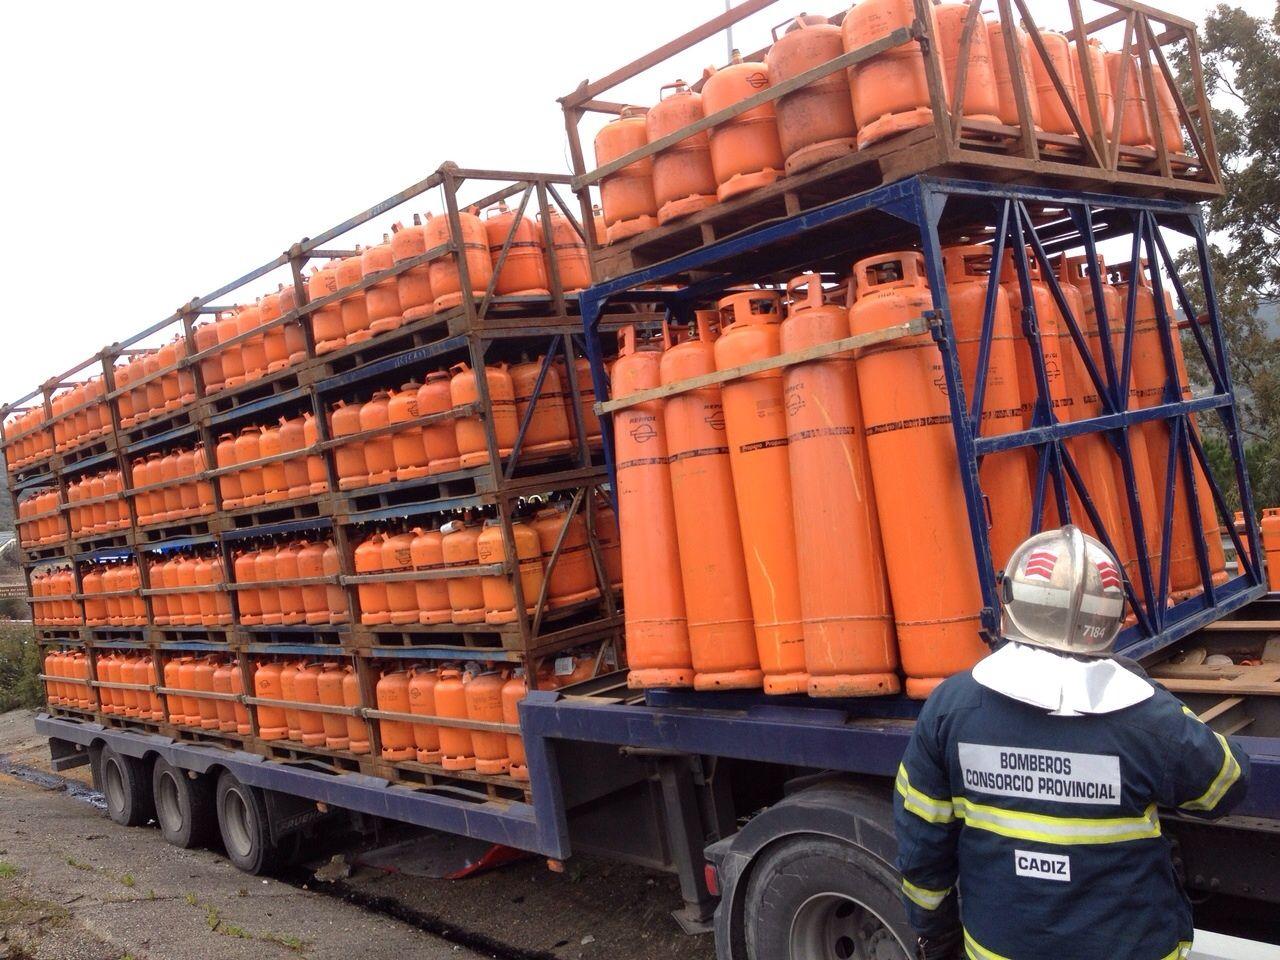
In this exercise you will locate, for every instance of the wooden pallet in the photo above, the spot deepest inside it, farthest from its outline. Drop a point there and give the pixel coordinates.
(318, 507)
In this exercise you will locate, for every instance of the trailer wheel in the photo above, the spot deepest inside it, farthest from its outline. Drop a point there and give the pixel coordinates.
(126, 788)
(245, 827)
(815, 898)
(184, 806)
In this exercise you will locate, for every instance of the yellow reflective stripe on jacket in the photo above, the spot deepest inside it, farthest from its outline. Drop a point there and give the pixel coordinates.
(976, 951)
(1228, 774)
(923, 897)
(921, 804)
(1061, 831)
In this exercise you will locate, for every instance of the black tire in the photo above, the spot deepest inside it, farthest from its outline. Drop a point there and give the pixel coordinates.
(184, 805)
(245, 827)
(816, 898)
(126, 787)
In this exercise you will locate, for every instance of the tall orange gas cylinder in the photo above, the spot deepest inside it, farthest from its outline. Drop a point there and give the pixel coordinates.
(408, 448)
(354, 306)
(373, 596)
(357, 727)
(469, 431)
(457, 752)
(815, 123)
(499, 590)
(317, 474)
(265, 572)
(1053, 112)
(523, 273)
(484, 703)
(513, 691)
(745, 151)
(292, 605)
(756, 430)
(329, 690)
(1096, 60)
(422, 702)
(393, 696)
(1135, 127)
(348, 458)
(414, 285)
(569, 253)
(916, 476)
(1005, 477)
(548, 430)
(326, 323)
(573, 578)
(466, 593)
(439, 438)
(890, 92)
(402, 599)
(1170, 119)
(307, 690)
(627, 195)
(1002, 68)
(981, 97)
(683, 181)
(849, 644)
(379, 452)
(1271, 544)
(446, 279)
(225, 709)
(722, 638)
(656, 627)
(289, 692)
(382, 300)
(431, 596)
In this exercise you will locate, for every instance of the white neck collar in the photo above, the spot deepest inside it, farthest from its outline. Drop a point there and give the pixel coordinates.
(1061, 684)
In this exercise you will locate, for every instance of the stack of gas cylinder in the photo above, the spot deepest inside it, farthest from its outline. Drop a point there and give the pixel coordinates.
(282, 600)
(803, 528)
(168, 487)
(28, 440)
(196, 678)
(328, 682)
(147, 391)
(96, 506)
(282, 478)
(53, 602)
(129, 670)
(192, 590)
(253, 357)
(79, 414)
(111, 595)
(71, 689)
(40, 519)
(846, 111)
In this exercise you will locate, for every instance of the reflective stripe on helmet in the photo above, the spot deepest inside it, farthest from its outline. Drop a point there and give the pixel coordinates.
(921, 804)
(1060, 831)
(1057, 597)
(976, 951)
(1228, 774)
(923, 897)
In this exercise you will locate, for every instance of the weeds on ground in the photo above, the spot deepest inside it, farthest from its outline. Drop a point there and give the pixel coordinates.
(19, 668)
(79, 864)
(7, 870)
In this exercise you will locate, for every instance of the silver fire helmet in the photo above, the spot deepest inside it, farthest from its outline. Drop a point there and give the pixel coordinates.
(1063, 590)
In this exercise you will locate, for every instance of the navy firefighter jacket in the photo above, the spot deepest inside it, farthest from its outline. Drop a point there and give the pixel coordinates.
(1047, 825)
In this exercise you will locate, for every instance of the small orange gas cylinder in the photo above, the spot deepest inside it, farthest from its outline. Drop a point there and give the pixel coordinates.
(315, 599)
(329, 690)
(457, 752)
(499, 590)
(446, 280)
(573, 577)
(379, 452)
(225, 709)
(627, 195)
(1053, 112)
(586, 400)
(292, 606)
(513, 691)
(275, 484)
(916, 476)
(348, 458)
(849, 643)
(1271, 545)
(568, 253)
(432, 596)
(1135, 127)
(339, 604)
(683, 181)
(187, 683)
(722, 637)
(1001, 66)
(128, 698)
(207, 707)
(469, 431)
(756, 430)
(206, 337)
(656, 626)
(422, 702)
(317, 474)
(252, 481)
(177, 706)
(353, 306)
(232, 357)
(265, 571)
(745, 152)
(484, 703)
(357, 727)
(408, 447)
(307, 690)
(169, 470)
(229, 483)
(523, 272)
(981, 97)
(373, 596)
(248, 601)
(249, 318)
(326, 323)
(293, 438)
(890, 91)
(815, 123)
(402, 598)
(414, 285)
(1102, 85)
(289, 692)
(277, 351)
(439, 437)
(466, 593)
(548, 429)
(382, 300)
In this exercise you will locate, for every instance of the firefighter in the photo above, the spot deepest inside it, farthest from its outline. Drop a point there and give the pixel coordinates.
(1026, 804)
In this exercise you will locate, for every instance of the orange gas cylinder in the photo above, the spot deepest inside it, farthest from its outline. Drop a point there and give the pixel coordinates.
(204, 575)
(627, 195)
(373, 596)
(227, 327)
(81, 693)
(414, 285)
(293, 438)
(844, 601)
(206, 707)
(573, 577)
(211, 372)
(523, 273)
(422, 702)
(252, 481)
(125, 373)
(402, 598)
(272, 723)
(329, 689)
(439, 438)
(466, 594)
(154, 390)
(981, 98)
(382, 300)
(357, 727)
(95, 611)
(548, 425)
(188, 684)
(1053, 113)
(117, 513)
(275, 483)
(177, 708)
(307, 690)
(890, 91)
(277, 352)
(469, 431)
(241, 711)
(1102, 85)
(1005, 478)
(457, 751)
(128, 698)
(657, 632)
(1000, 65)
(161, 613)
(111, 587)
(1242, 531)
(97, 490)
(229, 484)
(59, 664)
(484, 703)
(1170, 119)
(292, 606)
(683, 181)
(568, 253)
(393, 697)
(431, 596)
(745, 152)
(249, 601)
(722, 639)
(169, 470)
(446, 280)
(222, 597)
(255, 348)
(379, 452)
(289, 692)
(1135, 127)
(339, 603)
(353, 306)
(326, 323)
(265, 571)
(1271, 544)
(295, 342)
(226, 709)
(317, 474)
(149, 703)
(916, 476)
(188, 603)
(586, 400)
(756, 430)
(408, 445)
(513, 691)
(499, 590)
(348, 458)
(815, 123)
(315, 597)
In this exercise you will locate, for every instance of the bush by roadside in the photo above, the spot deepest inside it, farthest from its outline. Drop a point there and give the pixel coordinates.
(19, 667)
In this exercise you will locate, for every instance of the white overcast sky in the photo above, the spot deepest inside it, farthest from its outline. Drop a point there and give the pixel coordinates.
(157, 150)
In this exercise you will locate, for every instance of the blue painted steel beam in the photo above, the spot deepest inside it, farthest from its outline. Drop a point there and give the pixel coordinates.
(254, 407)
(278, 529)
(409, 358)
